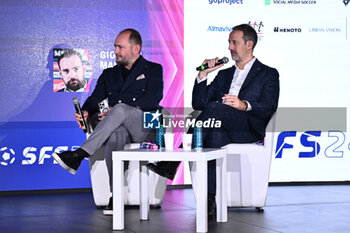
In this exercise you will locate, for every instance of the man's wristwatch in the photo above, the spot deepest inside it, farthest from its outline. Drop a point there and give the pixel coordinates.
(246, 106)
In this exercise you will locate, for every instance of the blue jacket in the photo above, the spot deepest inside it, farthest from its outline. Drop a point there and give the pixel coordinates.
(260, 89)
(143, 88)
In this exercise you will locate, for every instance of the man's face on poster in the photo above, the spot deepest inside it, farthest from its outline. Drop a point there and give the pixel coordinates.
(72, 72)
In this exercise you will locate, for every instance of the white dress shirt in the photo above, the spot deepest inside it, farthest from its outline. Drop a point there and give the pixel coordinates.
(238, 79)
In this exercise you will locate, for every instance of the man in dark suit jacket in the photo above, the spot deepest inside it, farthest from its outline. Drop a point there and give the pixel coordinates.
(132, 86)
(243, 98)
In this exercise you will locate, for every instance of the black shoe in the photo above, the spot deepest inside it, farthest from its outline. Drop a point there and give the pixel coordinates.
(70, 160)
(108, 210)
(165, 169)
(211, 209)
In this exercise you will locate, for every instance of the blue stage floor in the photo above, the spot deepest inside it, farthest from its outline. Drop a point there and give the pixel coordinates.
(289, 209)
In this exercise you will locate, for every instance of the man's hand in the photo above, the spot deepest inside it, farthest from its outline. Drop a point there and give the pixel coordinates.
(102, 115)
(234, 102)
(211, 65)
(78, 118)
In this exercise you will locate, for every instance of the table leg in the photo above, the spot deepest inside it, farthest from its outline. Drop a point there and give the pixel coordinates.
(221, 205)
(118, 194)
(202, 196)
(144, 199)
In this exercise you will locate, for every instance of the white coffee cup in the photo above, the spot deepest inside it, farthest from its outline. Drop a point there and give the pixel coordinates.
(187, 141)
(169, 141)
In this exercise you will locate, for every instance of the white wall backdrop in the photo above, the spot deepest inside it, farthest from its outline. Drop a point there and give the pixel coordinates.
(308, 42)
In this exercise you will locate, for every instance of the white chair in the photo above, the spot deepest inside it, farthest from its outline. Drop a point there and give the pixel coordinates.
(248, 171)
(100, 180)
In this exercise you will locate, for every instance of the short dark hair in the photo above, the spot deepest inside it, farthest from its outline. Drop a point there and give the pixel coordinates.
(134, 37)
(68, 53)
(249, 33)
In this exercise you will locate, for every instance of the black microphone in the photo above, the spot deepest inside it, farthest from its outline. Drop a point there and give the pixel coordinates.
(223, 60)
(76, 104)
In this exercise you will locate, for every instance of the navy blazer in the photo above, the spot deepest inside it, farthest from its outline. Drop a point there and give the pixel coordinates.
(142, 89)
(260, 89)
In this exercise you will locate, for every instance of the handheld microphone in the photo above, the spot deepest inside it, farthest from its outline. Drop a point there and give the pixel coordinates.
(223, 60)
(76, 104)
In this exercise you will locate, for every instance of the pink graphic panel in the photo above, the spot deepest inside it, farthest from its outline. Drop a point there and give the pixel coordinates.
(167, 35)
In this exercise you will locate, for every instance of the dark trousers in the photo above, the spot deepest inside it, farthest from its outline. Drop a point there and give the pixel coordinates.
(235, 128)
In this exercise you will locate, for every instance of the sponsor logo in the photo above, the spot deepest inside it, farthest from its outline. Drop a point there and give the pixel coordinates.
(219, 29)
(228, 2)
(7, 156)
(310, 141)
(287, 30)
(324, 30)
(209, 123)
(31, 155)
(291, 2)
(151, 120)
(346, 2)
(258, 26)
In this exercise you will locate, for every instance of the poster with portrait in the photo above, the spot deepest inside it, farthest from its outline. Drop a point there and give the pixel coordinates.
(72, 70)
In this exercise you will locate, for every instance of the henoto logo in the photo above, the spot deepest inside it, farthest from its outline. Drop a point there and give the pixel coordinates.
(278, 29)
(7, 156)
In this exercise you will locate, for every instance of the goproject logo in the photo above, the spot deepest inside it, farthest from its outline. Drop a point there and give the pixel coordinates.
(7, 156)
(228, 2)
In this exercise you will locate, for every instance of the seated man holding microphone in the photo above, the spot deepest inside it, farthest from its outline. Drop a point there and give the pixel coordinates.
(132, 86)
(243, 97)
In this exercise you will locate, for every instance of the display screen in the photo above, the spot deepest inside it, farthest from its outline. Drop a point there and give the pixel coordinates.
(307, 41)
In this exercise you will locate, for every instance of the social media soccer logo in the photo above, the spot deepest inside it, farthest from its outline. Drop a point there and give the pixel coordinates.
(151, 120)
(7, 156)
